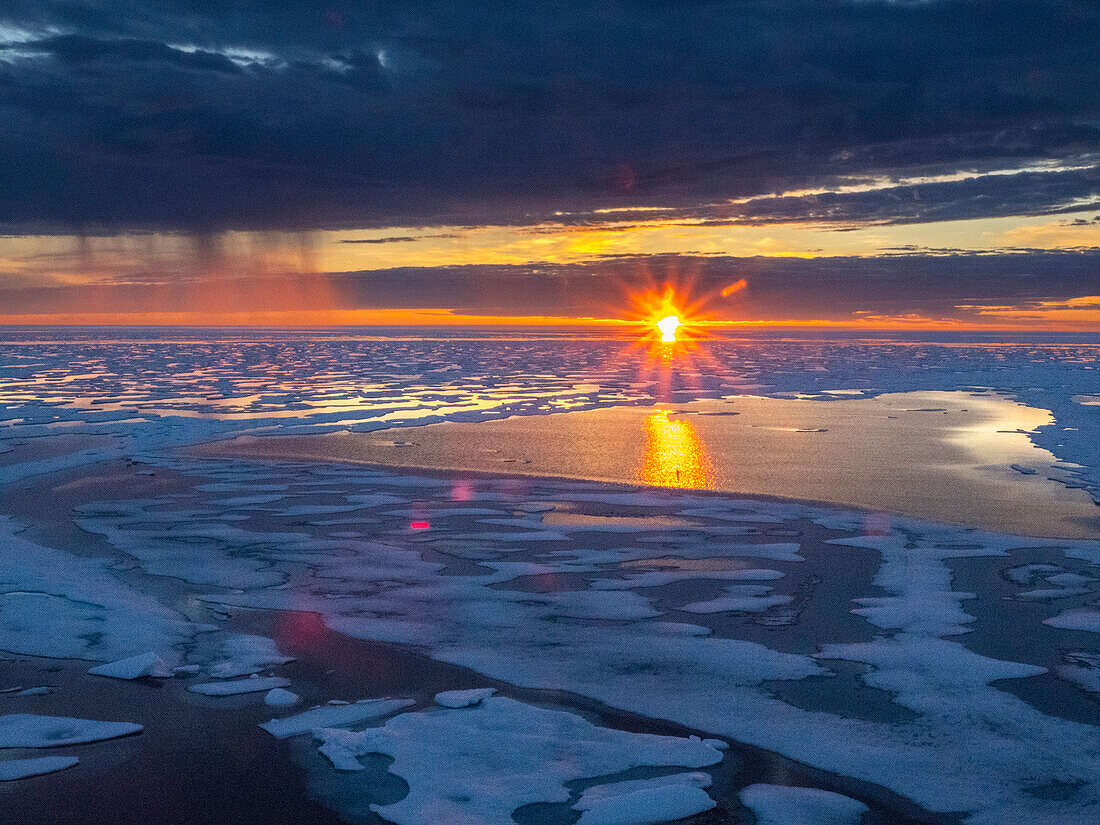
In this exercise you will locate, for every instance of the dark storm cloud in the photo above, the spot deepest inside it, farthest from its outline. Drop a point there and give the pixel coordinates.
(211, 115)
(928, 284)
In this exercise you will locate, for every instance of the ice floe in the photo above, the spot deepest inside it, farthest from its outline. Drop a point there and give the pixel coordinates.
(237, 686)
(1082, 618)
(596, 793)
(785, 805)
(64, 606)
(333, 716)
(1082, 668)
(463, 698)
(578, 617)
(243, 654)
(281, 698)
(647, 806)
(11, 769)
(740, 598)
(135, 667)
(28, 730)
(476, 765)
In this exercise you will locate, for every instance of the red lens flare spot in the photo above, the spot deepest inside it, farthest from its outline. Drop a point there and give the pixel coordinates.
(736, 286)
(419, 525)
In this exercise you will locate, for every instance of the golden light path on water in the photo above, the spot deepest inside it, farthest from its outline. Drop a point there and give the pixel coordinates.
(674, 456)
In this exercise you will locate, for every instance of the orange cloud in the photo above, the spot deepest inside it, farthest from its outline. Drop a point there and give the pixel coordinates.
(1081, 313)
(1057, 235)
(291, 318)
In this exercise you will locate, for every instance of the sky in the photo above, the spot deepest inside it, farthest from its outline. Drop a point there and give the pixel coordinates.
(932, 164)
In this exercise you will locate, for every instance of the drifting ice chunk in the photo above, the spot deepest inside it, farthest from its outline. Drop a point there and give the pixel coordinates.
(22, 768)
(28, 730)
(1082, 668)
(332, 716)
(463, 698)
(740, 598)
(246, 654)
(254, 685)
(281, 698)
(648, 807)
(1028, 573)
(340, 747)
(134, 667)
(479, 764)
(598, 793)
(1050, 593)
(1082, 618)
(36, 691)
(782, 805)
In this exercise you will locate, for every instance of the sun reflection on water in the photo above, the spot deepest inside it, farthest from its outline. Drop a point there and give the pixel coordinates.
(674, 455)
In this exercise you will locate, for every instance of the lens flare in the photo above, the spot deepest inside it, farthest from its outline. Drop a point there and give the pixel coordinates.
(667, 326)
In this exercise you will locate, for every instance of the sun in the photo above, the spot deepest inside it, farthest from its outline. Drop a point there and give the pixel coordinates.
(672, 312)
(667, 326)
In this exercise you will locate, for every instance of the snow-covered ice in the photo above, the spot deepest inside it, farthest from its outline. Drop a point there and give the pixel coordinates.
(243, 654)
(28, 730)
(281, 698)
(476, 765)
(1082, 618)
(648, 806)
(41, 690)
(237, 686)
(785, 805)
(546, 619)
(11, 769)
(332, 716)
(645, 801)
(582, 604)
(463, 698)
(64, 606)
(596, 793)
(135, 667)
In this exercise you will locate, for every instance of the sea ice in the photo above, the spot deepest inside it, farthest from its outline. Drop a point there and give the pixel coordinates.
(250, 685)
(463, 698)
(135, 667)
(784, 805)
(740, 598)
(11, 769)
(659, 578)
(1082, 668)
(243, 654)
(333, 716)
(281, 698)
(1043, 594)
(1082, 618)
(596, 793)
(561, 633)
(475, 766)
(661, 803)
(56, 604)
(28, 730)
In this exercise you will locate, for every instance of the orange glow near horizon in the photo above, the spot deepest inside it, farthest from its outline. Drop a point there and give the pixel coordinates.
(305, 318)
(994, 320)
